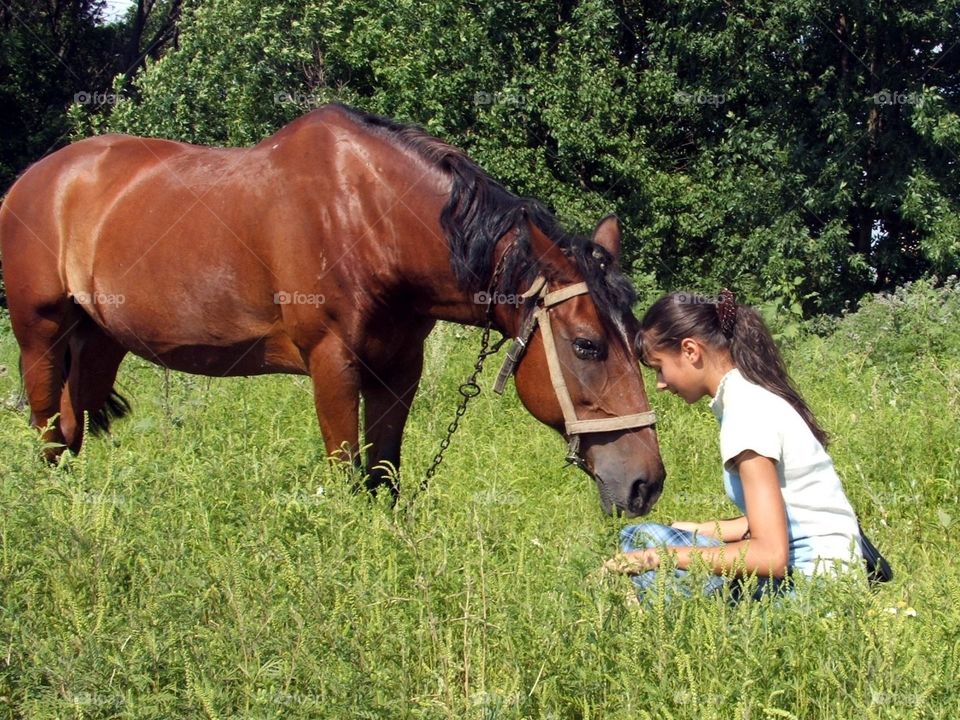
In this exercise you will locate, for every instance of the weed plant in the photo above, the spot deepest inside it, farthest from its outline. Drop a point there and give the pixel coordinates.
(205, 560)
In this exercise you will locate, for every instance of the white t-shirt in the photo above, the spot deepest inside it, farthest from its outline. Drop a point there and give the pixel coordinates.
(821, 524)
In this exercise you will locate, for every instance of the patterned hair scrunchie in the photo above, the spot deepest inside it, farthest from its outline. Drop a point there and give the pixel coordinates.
(726, 312)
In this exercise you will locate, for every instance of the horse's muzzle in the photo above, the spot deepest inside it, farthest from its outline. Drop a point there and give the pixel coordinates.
(631, 498)
(643, 496)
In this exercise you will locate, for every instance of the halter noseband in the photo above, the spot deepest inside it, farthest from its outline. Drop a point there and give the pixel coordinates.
(541, 315)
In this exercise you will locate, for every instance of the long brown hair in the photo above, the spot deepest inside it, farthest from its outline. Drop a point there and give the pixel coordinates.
(724, 324)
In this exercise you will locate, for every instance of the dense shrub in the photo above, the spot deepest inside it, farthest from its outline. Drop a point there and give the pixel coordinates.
(917, 319)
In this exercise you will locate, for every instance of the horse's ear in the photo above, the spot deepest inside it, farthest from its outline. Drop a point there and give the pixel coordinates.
(607, 236)
(544, 249)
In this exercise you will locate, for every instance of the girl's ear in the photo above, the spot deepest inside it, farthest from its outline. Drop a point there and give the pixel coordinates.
(690, 349)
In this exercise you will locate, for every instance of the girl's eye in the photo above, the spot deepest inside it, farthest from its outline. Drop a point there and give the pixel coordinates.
(588, 349)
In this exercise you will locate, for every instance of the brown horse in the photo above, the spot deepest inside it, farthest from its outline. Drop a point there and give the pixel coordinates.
(330, 249)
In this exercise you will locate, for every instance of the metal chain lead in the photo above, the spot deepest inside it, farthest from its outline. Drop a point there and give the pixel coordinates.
(470, 389)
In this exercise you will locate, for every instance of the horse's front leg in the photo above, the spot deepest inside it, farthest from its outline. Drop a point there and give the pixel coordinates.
(334, 371)
(388, 392)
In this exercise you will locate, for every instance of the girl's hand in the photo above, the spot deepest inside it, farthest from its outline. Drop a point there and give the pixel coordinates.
(686, 525)
(634, 562)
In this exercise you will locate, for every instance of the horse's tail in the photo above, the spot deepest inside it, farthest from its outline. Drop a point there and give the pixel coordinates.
(116, 407)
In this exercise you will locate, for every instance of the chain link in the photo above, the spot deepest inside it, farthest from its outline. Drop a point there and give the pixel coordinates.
(470, 389)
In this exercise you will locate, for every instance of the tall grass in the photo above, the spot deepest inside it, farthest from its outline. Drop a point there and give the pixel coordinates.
(206, 561)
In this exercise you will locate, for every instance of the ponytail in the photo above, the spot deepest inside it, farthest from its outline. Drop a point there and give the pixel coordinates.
(723, 323)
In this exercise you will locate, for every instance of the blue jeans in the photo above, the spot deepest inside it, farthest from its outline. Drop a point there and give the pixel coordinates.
(654, 535)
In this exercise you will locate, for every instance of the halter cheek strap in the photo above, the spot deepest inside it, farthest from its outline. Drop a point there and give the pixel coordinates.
(519, 344)
(573, 426)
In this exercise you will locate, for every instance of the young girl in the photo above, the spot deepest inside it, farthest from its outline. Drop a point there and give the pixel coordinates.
(796, 518)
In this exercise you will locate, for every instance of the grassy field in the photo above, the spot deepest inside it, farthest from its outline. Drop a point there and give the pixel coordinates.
(205, 561)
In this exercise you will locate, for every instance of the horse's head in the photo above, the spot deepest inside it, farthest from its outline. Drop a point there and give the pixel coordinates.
(576, 369)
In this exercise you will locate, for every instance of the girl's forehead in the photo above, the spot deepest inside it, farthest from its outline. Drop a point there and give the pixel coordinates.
(654, 356)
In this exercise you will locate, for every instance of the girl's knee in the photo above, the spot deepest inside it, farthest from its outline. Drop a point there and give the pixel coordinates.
(642, 536)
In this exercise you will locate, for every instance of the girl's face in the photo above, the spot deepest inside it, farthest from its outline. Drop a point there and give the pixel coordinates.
(681, 371)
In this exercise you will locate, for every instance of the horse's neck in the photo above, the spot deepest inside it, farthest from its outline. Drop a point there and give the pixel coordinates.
(452, 304)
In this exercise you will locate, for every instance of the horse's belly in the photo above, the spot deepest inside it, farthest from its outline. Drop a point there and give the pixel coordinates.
(230, 339)
(255, 357)
(211, 321)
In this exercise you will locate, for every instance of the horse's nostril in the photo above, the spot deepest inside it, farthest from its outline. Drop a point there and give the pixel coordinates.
(644, 495)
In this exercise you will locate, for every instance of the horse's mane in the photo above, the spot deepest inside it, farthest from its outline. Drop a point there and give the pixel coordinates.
(480, 211)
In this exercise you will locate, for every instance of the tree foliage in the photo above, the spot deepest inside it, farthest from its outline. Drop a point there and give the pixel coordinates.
(49, 51)
(54, 53)
(800, 151)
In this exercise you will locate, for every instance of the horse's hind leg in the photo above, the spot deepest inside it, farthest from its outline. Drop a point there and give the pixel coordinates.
(94, 360)
(42, 335)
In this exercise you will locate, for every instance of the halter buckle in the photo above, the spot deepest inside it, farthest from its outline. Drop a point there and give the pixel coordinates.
(573, 453)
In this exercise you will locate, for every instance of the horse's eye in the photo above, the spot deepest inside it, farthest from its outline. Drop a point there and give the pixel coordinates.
(588, 349)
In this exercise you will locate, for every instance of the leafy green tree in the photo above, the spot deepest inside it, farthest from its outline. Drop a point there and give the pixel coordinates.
(149, 27)
(797, 150)
(58, 53)
(49, 54)
(814, 141)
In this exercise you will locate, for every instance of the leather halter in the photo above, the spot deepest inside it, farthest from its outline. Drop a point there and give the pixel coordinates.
(573, 426)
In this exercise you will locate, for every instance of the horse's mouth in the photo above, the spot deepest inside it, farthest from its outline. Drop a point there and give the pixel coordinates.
(640, 498)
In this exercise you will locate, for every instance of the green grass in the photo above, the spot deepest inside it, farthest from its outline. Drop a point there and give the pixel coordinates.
(187, 566)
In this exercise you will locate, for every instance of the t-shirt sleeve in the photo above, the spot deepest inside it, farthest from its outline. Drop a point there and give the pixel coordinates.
(747, 429)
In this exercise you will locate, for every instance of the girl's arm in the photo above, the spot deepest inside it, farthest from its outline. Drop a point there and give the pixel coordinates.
(725, 530)
(765, 552)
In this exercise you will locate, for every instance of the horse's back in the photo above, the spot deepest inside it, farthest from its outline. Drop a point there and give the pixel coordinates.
(146, 234)
(203, 245)
(32, 208)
